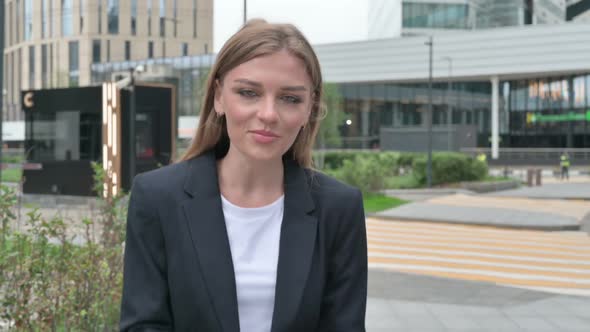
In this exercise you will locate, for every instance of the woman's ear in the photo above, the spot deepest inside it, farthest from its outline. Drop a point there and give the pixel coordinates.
(217, 103)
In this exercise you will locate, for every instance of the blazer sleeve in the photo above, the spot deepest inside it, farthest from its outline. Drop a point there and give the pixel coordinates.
(345, 297)
(145, 303)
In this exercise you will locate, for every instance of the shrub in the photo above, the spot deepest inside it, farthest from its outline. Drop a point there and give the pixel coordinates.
(52, 279)
(450, 167)
(363, 172)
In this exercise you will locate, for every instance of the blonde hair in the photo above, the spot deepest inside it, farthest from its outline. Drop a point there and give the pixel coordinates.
(258, 38)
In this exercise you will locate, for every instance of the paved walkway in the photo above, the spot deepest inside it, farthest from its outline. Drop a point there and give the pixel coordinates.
(408, 302)
(557, 190)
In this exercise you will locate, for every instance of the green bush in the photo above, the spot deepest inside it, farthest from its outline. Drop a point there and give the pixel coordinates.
(51, 280)
(363, 172)
(448, 167)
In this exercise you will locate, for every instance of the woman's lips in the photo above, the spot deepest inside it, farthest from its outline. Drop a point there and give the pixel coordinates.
(263, 136)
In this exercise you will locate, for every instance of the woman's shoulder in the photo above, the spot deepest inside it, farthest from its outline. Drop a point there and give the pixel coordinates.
(165, 178)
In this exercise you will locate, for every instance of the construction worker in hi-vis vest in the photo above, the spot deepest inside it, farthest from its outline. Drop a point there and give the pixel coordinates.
(564, 162)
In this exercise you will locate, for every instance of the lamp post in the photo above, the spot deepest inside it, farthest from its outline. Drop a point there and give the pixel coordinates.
(449, 109)
(429, 116)
(245, 10)
(132, 111)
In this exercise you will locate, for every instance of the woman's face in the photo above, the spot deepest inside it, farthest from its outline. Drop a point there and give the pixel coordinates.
(265, 101)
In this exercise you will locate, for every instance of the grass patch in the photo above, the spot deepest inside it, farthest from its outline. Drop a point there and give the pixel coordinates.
(407, 181)
(490, 178)
(379, 202)
(11, 175)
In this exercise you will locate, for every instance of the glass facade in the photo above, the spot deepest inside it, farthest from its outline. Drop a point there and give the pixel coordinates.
(74, 63)
(96, 51)
(44, 83)
(188, 74)
(66, 17)
(162, 18)
(45, 11)
(133, 17)
(127, 50)
(31, 67)
(435, 15)
(113, 16)
(28, 28)
(549, 112)
(81, 10)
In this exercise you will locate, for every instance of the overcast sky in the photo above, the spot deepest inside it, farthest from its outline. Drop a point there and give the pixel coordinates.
(322, 21)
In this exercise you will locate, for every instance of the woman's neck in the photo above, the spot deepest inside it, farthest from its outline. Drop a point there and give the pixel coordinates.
(250, 184)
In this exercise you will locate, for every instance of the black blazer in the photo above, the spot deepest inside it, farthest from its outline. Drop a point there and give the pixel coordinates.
(178, 267)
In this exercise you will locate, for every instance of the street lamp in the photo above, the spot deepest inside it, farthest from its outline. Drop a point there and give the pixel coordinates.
(449, 109)
(132, 111)
(245, 11)
(429, 43)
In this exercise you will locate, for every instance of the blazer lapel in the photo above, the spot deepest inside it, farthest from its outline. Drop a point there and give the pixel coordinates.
(204, 216)
(297, 242)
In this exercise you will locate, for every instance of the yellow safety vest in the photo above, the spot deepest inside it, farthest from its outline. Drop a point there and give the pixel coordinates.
(565, 161)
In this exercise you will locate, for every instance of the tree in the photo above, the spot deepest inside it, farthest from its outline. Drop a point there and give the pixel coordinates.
(329, 134)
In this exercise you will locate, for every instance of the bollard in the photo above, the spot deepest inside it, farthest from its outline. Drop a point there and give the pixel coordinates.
(538, 173)
(529, 177)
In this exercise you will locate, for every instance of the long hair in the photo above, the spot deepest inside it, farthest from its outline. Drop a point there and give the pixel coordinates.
(258, 38)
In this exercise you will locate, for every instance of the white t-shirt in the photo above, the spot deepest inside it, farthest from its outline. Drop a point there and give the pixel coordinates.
(254, 235)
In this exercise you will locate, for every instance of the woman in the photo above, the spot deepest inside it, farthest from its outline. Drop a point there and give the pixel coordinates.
(241, 235)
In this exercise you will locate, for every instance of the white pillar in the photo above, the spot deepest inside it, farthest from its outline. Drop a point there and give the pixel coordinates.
(495, 117)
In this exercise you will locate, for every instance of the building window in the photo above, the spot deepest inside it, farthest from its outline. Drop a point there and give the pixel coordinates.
(99, 16)
(31, 67)
(108, 50)
(162, 18)
(44, 65)
(51, 65)
(194, 18)
(28, 28)
(113, 16)
(17, 22)
(9, 27)
(184, 49)
(96, 51)
(150, 49)
(66, 17)
(51, 15)
(175, 13)
(127, 50)
(74, 65)
(81, 12)
(44, 18)
(133, 17)
(149, 14)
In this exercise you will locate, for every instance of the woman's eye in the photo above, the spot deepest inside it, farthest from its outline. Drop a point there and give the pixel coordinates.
(247, 93)
(291, 99)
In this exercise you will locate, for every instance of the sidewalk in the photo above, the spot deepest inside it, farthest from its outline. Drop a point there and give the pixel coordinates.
(552, 207)
(407, 302)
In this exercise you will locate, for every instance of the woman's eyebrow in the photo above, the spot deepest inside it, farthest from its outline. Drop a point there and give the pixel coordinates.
(294, 88)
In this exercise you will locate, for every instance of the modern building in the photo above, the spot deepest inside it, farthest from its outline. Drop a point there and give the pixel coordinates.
(393, 18)
(510, 87)
(53, 43)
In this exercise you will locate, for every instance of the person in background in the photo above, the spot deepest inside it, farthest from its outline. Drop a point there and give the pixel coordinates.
(564, 162)
(242, 234)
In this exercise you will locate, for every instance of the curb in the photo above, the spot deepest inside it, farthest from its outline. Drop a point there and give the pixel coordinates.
(551, 228)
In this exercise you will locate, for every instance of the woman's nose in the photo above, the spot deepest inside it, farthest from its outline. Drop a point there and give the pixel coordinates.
(268, 111)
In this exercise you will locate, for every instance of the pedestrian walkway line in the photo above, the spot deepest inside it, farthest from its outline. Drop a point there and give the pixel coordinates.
(474, 229)
(539, 266)
(573, 238)
(475, 239)
(517, 259)
(441, 243)
(499, 278)
(556, 261)
(560, 207)
(574, 274)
